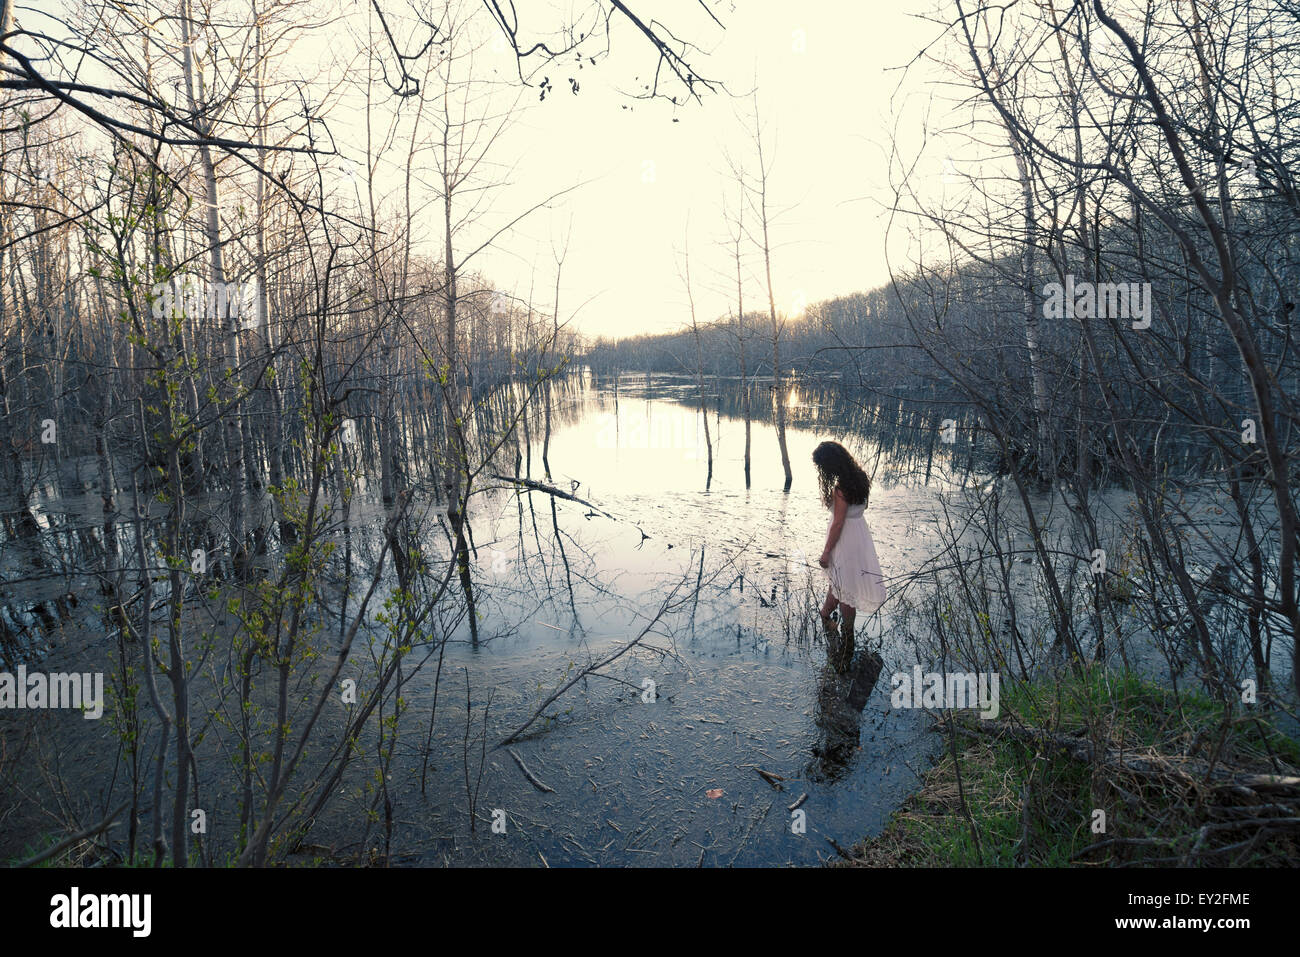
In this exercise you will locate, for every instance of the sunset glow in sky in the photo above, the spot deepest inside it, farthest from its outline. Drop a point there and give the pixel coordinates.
(655, 175)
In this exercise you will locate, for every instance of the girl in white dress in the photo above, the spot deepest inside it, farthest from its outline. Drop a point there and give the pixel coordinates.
(850, 554)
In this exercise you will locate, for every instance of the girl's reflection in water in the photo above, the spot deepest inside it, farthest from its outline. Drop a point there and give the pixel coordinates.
(843, 687)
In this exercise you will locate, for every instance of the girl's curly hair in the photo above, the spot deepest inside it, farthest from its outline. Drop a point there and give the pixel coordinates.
(836, 468)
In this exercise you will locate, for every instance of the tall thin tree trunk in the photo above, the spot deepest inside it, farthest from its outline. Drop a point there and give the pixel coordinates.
(1046, 455)
(777, 385)
(699, 369)
(274, 429)
(230, 384)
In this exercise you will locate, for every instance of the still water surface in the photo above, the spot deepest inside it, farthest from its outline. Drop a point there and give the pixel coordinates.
(740, 673)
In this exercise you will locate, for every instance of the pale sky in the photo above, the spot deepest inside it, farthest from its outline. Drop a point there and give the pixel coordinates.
(826, 111)
(827, 76)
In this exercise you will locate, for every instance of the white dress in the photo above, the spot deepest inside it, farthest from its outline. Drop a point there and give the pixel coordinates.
(854, 569)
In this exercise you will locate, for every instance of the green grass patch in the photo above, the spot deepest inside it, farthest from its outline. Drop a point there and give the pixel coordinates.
(1159, 765)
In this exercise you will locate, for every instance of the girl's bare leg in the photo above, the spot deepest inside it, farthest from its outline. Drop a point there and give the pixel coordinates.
(828, 605)
(847, 614)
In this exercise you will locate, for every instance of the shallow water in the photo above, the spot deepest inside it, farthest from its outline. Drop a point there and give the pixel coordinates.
(742, 682)
(740, 673)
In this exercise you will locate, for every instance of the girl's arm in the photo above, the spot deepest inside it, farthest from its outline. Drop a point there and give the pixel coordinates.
(841, 508)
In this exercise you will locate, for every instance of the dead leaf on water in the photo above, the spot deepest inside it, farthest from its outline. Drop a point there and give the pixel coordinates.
(713, 793)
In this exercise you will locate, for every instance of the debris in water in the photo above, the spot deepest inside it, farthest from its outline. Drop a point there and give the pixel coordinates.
(532, 779)
(770, 778)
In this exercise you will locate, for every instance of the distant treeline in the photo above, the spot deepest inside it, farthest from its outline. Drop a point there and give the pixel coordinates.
(958, 341)
(844, 335)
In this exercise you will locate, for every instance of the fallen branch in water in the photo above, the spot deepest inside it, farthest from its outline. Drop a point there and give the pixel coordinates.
(753, 823)
(592, 668)
(535, 486)
(532, 778)
(840, 850)
(772, 779)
